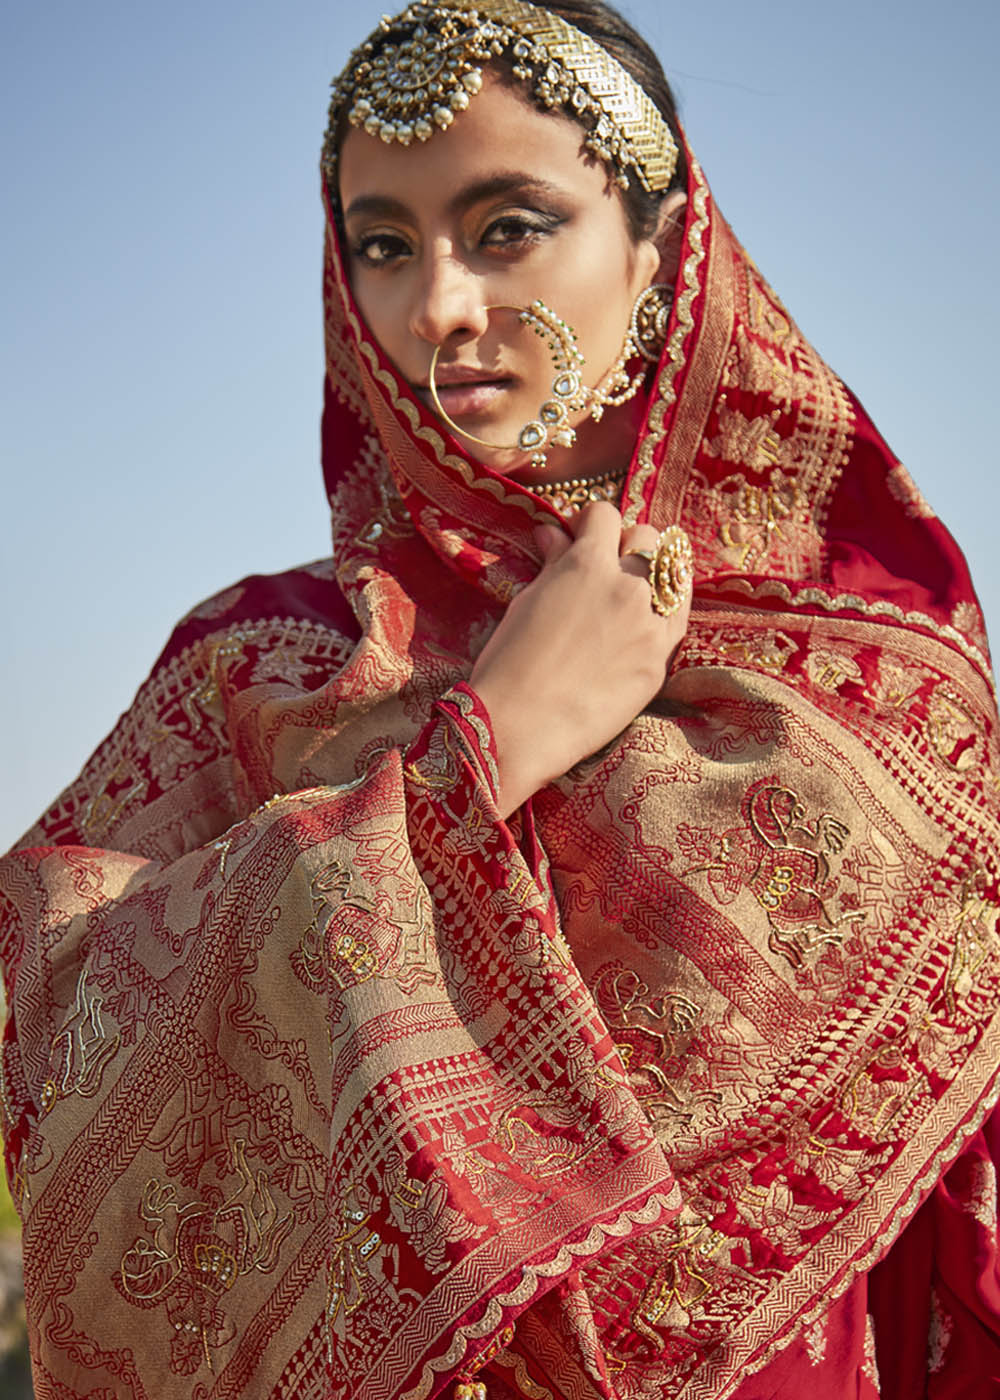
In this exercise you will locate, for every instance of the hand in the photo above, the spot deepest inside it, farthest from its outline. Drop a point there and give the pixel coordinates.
(578, 654)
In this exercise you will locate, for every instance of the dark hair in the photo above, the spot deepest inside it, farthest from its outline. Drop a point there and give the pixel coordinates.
(617, 37)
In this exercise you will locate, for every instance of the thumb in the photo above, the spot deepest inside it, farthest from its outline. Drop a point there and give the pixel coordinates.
(552, 542)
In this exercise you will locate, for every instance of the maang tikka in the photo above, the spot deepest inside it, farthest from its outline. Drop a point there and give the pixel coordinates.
(418, 71)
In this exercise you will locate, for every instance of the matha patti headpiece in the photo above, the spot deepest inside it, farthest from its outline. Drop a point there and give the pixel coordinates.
(418, 70)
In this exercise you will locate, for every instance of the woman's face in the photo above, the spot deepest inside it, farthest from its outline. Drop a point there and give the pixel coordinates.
(503, 207)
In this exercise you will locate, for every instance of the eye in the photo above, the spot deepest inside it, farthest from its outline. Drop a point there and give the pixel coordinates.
(379, 249)
(512, 231)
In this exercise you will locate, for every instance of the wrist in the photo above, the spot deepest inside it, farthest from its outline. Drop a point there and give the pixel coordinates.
(516, 750)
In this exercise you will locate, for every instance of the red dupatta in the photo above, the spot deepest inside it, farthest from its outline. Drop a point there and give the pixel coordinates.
(321, 1080)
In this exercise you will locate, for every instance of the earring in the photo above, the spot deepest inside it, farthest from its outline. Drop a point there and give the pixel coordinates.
(644, 340)
(567, 392)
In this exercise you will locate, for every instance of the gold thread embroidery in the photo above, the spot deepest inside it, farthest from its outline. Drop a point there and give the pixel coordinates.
(678, 1287)
(784, 861)
(198, 1254)
(527, 1288)
(832, 669)
(331, 889)
(906, 491)
(853, 602)
(747, 442)
(355, 1250)
(755, 514)
(666, 393)
(975, 935)
(123, 785)
(952, 730)
(82, 1050)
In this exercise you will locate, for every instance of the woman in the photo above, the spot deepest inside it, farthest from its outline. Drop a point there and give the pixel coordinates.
(417, 994)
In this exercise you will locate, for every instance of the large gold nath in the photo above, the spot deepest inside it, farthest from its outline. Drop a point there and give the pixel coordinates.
(418, 70)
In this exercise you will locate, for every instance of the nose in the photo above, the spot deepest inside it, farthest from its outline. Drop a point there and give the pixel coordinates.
(449, 301)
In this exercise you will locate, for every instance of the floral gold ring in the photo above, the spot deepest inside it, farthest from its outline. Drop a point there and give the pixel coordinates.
(671, 570)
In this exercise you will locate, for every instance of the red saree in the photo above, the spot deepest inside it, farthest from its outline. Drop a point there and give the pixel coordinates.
(320, 1080)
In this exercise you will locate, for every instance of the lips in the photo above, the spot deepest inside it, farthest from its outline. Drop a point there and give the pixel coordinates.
(465, 390)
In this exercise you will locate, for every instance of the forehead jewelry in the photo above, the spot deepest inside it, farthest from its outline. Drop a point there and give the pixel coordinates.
(419, 70)
(567, 392)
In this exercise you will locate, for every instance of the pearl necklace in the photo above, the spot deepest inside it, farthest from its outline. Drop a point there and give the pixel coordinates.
(569, 496)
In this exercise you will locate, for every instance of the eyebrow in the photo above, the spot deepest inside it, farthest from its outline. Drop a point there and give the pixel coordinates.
(489, 187)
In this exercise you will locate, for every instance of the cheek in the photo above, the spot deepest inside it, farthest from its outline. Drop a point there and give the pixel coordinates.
(377, 313)
(612, 294)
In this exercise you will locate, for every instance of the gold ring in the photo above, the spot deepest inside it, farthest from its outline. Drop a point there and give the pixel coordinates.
(648, 554)
(671, 572)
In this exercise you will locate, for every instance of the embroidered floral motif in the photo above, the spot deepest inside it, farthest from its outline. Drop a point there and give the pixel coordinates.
(281, 665)
(869, 1367)
(896, 685)
(981, 1194)
(967, 618)
(746, 442)
(767, 650)
(815, 1340)
(908, 493)
(752, 516)
(939, 1335)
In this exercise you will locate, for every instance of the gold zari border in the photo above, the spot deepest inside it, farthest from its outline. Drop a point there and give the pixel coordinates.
(853, 602)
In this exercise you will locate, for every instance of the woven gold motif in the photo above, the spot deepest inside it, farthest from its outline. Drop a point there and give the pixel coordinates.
(418, 71)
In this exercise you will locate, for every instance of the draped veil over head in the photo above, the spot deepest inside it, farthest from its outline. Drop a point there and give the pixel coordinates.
(321, 1079)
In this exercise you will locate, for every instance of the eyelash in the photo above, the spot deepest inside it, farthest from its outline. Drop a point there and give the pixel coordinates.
(527, 228)
(363, 249)
(530, 228)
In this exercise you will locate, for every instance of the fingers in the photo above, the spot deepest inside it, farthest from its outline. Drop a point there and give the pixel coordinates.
(599, 538)
(552, 542)
(638, 546)
(679, 625)
(599, 523)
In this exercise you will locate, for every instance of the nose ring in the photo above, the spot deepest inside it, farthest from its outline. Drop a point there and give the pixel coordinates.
(567, 394)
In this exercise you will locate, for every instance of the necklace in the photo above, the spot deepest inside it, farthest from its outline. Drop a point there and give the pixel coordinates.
(569, 496)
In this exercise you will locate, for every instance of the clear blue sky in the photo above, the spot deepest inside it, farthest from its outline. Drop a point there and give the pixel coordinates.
(161, 344)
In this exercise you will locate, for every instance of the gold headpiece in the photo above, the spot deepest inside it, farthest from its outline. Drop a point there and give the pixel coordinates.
(421, 68)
